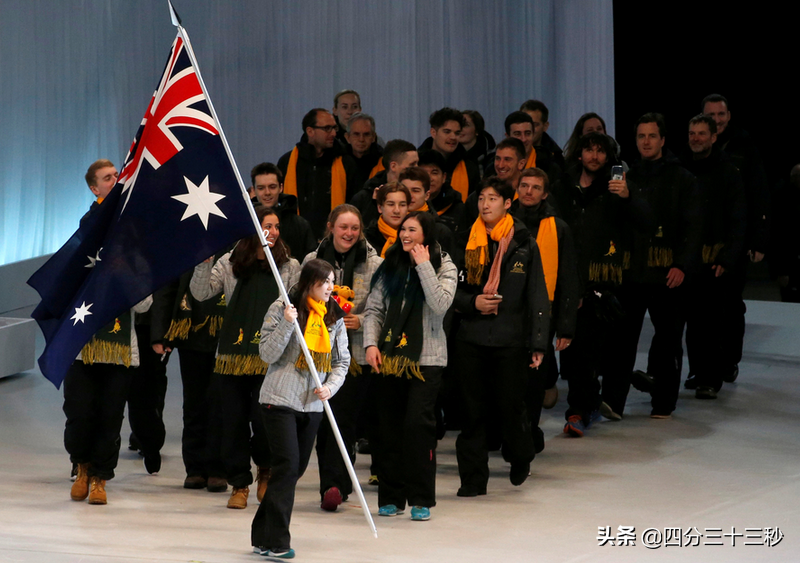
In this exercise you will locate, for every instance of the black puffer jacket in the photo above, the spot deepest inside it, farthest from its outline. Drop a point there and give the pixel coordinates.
(523, 318)
(295, 230)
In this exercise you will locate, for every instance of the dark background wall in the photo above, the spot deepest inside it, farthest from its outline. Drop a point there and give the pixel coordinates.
(668, 59)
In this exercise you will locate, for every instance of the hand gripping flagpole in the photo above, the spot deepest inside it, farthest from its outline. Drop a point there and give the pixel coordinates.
(176, 21)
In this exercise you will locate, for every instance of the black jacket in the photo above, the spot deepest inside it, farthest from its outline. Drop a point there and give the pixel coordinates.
(451, 161)
(673, 195)
(784, 255)
(484, 145)
(364, 199)
(567, 294)
(523, 317)
(598, 218)
(454, 217)
(366, 163)
(723, 203)
(744, 155)
(295, 230)
(314, 182)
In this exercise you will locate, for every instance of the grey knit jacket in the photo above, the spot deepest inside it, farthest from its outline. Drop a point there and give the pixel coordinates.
(362, 277)
(285, 385)
(439, 289)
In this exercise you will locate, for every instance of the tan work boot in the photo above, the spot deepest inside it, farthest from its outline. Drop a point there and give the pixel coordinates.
(80, 488)
(239, 497)
(97, 491)
(264, 474)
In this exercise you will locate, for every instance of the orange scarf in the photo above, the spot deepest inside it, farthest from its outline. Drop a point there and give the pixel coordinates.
(378, 168)
(443, 211)
(531, 162)
(547, 240)
(424, 207)
(477, 253)
(389, 233)
(460, 181)
(338, 180)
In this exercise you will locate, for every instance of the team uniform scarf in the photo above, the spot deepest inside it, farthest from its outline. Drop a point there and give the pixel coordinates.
(460, 180)
(377, 168)
(241, 328)
(338, 179)
(547, 240)
(477, 253)
(401, 335)
(389, 233)
(111, 344)
(192, 317)
(317, 338)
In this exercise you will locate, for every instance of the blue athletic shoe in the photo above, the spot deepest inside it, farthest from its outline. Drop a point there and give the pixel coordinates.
(420, 513)
(595, 416)
(389, 510)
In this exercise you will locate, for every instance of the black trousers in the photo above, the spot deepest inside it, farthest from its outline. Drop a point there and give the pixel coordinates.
(583, 361)
(201, 440)
(94, 402)
(243, 433)
(346, 405)
(407, 448)
(291, 438)
(539, 380)
(666, 307)
(146, 396)
(712, 328)
(493, 383)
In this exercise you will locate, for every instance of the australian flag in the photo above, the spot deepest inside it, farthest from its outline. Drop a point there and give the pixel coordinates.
(177, 201)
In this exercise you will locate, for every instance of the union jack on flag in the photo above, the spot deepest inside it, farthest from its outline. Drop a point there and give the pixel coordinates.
(177, 201)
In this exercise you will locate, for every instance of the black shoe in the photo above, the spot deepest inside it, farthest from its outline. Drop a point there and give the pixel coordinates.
(691, 382)
(133, 443)
(470, 492)
(731, 377)
(152, 462)
(195, 482)
(538, 439)
(642, 381)
(217, 485)
(519, 473)
(362, 446)
(705, 393)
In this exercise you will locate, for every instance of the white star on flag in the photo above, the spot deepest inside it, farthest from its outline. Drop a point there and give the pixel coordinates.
(200, 201)
(93, 261)
(81, 313)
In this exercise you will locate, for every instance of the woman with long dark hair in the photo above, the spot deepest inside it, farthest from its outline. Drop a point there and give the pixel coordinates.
(405, 342)
(354, 261)
(249, 289)
(290, 403)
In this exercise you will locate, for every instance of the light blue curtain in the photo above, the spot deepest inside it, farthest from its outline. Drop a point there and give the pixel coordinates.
(76, 77)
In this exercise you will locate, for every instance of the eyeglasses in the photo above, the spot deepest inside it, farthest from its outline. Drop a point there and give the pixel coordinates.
(327, 128)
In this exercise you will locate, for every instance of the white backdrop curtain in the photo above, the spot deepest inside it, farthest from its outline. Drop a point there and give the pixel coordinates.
(76, 77)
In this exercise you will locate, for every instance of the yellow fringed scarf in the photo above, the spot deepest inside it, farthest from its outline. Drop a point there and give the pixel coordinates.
(547, 240)
(338, 180)
(477, 253)
(389, 233)
(317, 338)
(460, 181)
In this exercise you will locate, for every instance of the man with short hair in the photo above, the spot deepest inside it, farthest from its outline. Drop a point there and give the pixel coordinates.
(296, 232)
(509, 162)
(462, 173)
(660, 261)
(345, 104)
(101, 177)
(442, 197)
(716, 310)
(557, 250)
(317, 171)
(743, 153)
(418, 183)
(362, 145)
(518, 125)
(547, 150)
(504, 326)
(393, 200)
(397, 156)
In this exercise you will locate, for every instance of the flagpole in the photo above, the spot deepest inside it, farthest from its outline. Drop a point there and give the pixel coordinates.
(276, 274)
